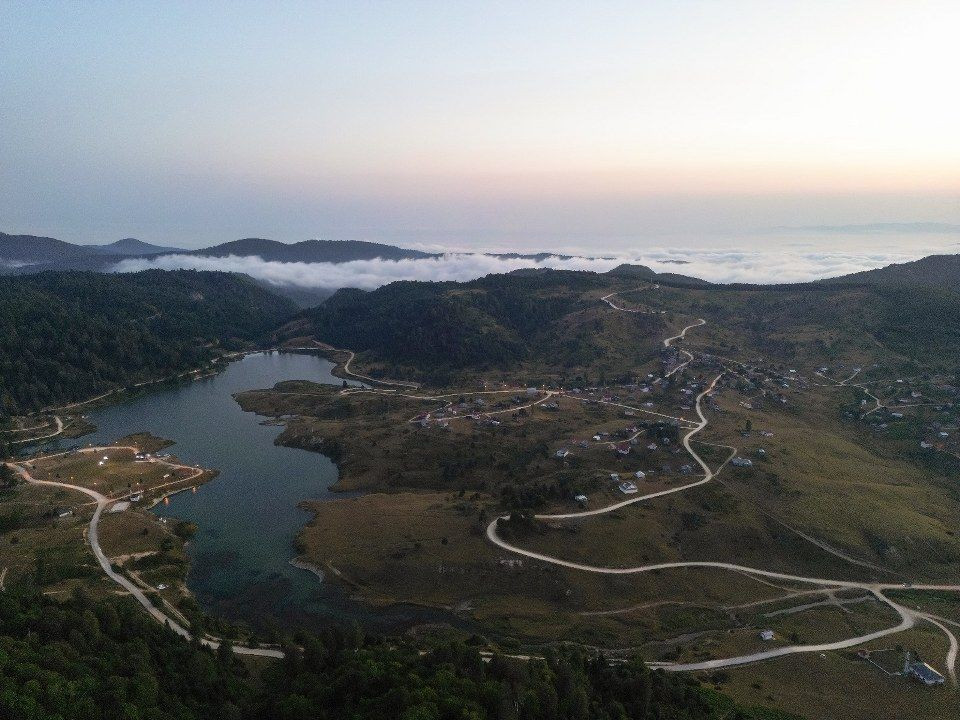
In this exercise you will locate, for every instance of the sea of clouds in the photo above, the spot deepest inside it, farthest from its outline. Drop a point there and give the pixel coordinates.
(732, 265)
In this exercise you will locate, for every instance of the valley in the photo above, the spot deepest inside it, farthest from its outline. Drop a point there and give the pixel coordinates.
(710, 479)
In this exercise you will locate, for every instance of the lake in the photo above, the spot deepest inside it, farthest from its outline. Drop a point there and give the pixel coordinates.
(247, 517)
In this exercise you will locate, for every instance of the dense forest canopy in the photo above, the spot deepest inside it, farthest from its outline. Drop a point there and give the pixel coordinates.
(107, 660)
(491, 323)
(69, 336)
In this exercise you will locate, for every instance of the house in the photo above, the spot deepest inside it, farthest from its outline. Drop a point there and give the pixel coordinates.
(766, 635)
(63, 512)
(580, 498)
(924, 673)
(623, 448)
(651, 447)
(562, 453)
(136, 497)
(640, 474)
(742, 462)
(615, 477)
(531, 391)
(628, 488)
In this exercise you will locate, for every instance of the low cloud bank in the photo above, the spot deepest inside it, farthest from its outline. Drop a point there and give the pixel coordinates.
(769, 266)
(364, 274)
(748, 266)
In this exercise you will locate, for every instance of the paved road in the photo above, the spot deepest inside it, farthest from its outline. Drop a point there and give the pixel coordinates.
(94, 538)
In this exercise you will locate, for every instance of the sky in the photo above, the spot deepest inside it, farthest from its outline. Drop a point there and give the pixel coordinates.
(602, 126)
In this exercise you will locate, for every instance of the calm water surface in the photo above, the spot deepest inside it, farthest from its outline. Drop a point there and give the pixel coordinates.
(248, 515)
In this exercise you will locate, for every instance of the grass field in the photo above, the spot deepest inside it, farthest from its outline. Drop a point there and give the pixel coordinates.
(830, 493)
(840, 686)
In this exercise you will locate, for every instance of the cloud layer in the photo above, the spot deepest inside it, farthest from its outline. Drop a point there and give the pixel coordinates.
(752, 266)
(365, 274)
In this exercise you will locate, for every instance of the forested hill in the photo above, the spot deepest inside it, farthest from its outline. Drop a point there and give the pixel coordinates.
(333, 251)
(81, 659)
(69, 336)
(941, 272)
(543, 319)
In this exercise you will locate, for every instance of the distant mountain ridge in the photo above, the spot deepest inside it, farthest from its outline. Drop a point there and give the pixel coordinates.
(132, 246)
(35, 249)
(335, 251)
(27, 254)
(31, 253)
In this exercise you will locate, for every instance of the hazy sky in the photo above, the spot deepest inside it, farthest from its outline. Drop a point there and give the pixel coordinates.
(475, 124)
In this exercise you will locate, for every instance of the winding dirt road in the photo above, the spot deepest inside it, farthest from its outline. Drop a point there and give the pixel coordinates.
(25, 441)
(93, 536)
(908, 617)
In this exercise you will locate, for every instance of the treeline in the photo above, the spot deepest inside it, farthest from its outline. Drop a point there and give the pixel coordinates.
(70, 336)
(107, 660)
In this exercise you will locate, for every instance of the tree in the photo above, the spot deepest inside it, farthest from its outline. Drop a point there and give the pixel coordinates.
(8, 478)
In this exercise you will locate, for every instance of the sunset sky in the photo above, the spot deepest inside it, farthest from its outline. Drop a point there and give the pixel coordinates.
(475, 124)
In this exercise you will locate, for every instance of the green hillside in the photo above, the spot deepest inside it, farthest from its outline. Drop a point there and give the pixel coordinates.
(69, 336)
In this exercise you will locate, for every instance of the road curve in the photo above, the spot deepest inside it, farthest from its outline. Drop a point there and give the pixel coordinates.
(907, 617)
(683, 333)
(707, 477)
(94, 538)
(951, 659)
(26, 441)
(346, 366)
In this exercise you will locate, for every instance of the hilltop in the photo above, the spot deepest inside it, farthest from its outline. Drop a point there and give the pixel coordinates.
(132, 246)
(333, 251)
(934, 271)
